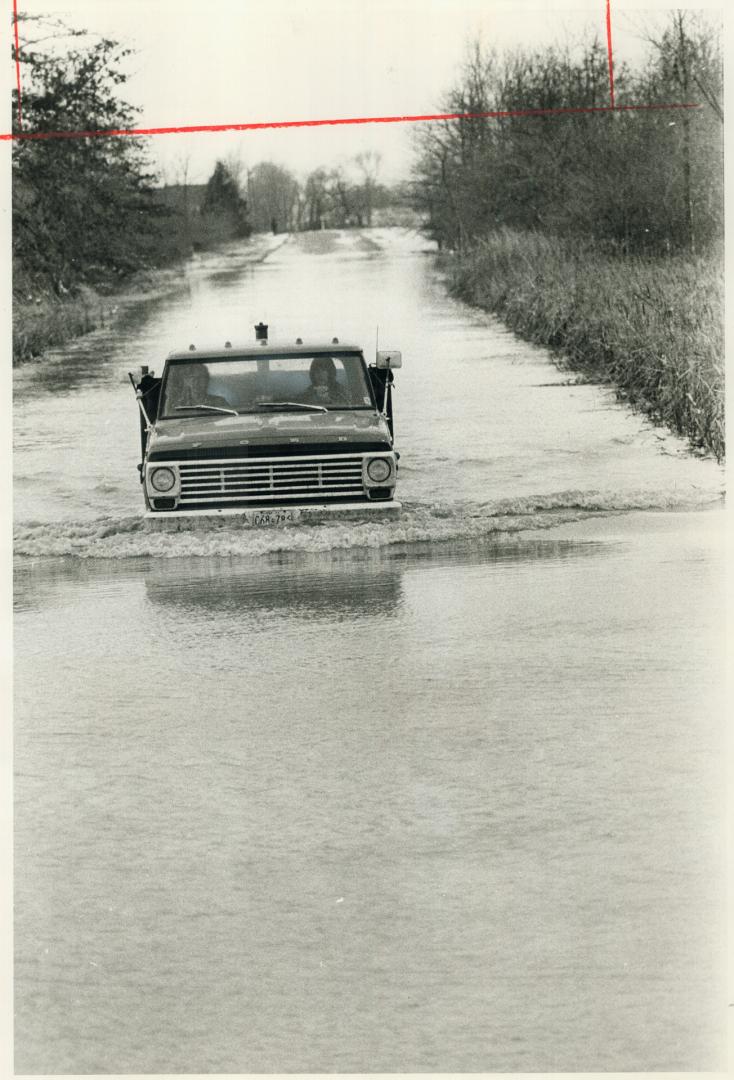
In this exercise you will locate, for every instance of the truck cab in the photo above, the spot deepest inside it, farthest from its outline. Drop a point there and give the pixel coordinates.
(270, 432)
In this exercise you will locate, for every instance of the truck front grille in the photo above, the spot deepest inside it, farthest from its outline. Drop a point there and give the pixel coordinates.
(270, 480)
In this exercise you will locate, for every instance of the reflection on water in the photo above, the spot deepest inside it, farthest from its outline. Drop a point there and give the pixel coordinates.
(358, 582)
(301, 592)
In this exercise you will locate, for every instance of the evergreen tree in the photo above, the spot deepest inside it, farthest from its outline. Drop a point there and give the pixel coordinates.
(84, 206)
(223, 201)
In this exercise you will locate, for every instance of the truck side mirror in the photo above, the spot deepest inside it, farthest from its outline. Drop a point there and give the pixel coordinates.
(389, 358)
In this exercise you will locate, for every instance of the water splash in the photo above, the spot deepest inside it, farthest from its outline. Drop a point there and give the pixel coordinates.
(419, 523)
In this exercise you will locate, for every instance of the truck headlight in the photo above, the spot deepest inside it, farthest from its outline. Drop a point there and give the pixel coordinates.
(162, 479)
(378, 469)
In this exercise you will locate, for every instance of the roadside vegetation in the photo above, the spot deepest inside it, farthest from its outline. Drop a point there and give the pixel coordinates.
(598, 235)
(651, 326)
(90, 216)
(86, 215)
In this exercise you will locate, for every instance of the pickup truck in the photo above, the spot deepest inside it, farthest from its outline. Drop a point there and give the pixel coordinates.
(270, 432)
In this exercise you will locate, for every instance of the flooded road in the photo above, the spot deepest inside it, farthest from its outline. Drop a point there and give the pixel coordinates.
(439, 794)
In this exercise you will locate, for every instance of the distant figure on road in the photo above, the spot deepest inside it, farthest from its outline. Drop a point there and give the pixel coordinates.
(324, 389)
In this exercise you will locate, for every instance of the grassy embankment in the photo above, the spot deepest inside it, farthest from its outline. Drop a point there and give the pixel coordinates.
(42, 320)
(653, 327)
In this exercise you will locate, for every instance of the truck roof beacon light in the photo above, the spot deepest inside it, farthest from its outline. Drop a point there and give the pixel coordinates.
(261, 332)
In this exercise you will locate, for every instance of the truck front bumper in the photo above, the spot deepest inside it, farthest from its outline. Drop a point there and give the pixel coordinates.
(269, 516)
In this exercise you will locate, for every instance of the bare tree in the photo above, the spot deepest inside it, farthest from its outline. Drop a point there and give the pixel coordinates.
(273, 193)
(635, 180)
(689, 63)
(368, 163)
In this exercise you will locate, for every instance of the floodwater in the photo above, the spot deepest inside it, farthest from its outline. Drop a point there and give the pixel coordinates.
(438, 794)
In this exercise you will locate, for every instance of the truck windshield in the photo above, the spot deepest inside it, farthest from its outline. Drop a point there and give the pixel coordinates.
(251, 384)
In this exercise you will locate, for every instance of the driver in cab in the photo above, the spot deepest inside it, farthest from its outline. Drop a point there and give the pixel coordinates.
(192, 389)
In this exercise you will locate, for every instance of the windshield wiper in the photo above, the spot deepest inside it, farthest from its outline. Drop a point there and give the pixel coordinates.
(211, 408)
(290, 405)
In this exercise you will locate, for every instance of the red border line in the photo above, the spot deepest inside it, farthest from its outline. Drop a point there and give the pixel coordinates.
(17, 60)
(336, 122)
(609, 53)
(194, 128)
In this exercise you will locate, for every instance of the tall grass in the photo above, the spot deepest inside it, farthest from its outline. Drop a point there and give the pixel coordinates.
(42, 322)
(653, 327)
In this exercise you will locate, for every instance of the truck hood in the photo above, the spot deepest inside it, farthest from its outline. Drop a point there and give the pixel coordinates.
(264, 429)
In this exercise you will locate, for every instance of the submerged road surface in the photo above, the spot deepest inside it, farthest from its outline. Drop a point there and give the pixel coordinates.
(439, 794)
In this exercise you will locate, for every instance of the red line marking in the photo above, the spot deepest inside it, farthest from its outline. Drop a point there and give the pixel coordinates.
(428, 117)
(17, 60)
(194, 128)
(609, 53)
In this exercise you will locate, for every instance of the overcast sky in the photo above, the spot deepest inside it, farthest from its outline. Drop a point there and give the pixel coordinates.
(240, 61)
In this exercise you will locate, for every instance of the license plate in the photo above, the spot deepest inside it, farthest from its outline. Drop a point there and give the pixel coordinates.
(271, 517)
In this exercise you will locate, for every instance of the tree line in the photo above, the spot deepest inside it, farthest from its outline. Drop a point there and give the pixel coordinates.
(636, 180)
(91, 209)
(595, 234)
(348, 195)
(75, 199)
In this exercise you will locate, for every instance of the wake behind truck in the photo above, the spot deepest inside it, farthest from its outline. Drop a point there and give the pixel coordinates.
(269, 432)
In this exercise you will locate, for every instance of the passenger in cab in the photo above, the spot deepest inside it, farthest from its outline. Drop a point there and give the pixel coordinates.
(324, 389)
